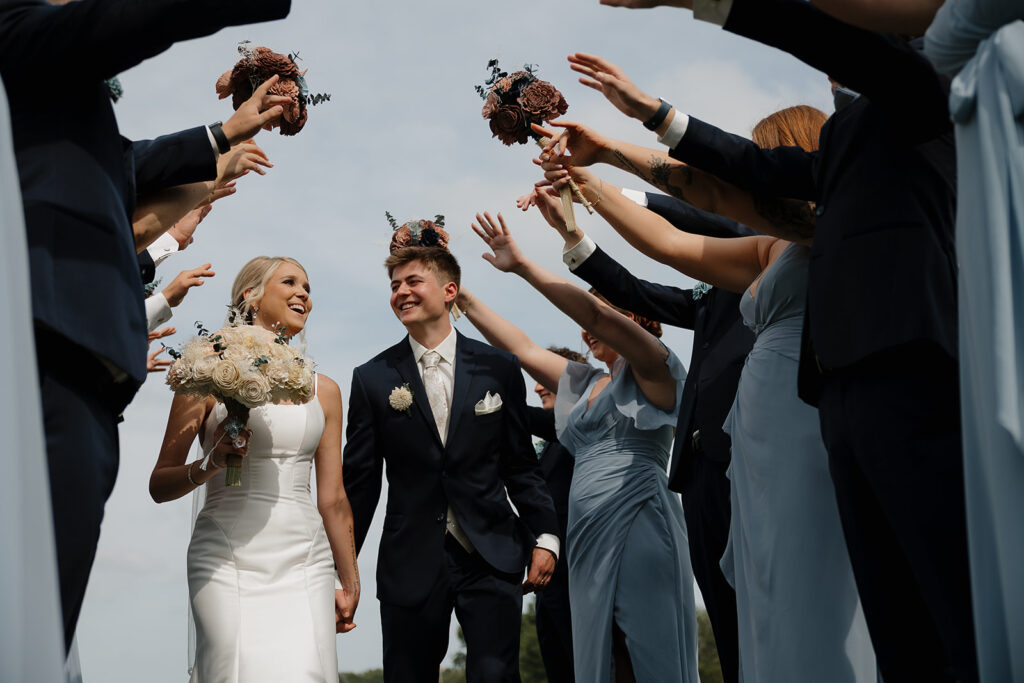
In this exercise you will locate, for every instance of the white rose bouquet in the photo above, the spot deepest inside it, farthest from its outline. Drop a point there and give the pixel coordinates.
(243, 367)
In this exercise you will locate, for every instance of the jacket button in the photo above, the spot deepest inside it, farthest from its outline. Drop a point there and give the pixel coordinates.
(819, 210)
(441, 518)
(706, 345)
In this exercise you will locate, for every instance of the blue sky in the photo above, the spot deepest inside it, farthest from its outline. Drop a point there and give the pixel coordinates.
(401, 133)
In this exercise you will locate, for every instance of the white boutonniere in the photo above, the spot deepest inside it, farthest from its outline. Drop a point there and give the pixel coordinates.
(401, 399)
(700, 289)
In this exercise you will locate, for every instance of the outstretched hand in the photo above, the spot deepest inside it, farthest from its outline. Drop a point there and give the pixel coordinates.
(185, 228)
(612, 82)
(184, 281)
(507, 256)
(585, 145)
(244, 157)
(259, 111)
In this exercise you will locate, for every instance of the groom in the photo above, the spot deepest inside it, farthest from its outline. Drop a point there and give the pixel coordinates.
(448, 414)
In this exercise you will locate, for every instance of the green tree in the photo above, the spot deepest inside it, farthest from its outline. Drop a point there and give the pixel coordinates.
(371, 676)
(708, 666)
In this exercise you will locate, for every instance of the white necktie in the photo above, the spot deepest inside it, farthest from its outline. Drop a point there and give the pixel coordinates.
(437, 394)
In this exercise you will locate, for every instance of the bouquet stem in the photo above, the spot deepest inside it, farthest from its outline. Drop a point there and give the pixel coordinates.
(238, 416)
(566, 194)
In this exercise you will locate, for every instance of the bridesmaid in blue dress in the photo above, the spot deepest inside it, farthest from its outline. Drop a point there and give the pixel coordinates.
(798, 612)
(629, 563)
(981, 43)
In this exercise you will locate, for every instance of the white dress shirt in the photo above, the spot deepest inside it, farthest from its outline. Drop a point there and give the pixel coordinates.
(447, 350)
(158, 311)
(162, 247)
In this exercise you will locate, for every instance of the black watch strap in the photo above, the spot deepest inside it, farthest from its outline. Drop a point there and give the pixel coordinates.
(222, 140)
(659, 116)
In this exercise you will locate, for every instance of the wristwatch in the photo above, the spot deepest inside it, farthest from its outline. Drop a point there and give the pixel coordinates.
(217, 132)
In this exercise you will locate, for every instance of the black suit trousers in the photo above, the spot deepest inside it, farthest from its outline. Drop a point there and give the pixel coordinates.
(81, 404)
(706, 506)
(891, 424)
(488, 604)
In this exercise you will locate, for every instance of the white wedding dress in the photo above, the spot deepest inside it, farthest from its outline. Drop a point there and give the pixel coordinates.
(261, 576)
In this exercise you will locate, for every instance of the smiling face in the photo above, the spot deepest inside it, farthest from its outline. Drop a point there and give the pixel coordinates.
(286, 300)
(601, 351)
(547, 399)
(418, 297)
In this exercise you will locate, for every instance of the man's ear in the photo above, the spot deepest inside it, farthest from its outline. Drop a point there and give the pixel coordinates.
(451, 290)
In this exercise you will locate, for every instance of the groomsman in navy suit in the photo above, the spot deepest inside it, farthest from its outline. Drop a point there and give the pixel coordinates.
(446, 415)
(79, 181)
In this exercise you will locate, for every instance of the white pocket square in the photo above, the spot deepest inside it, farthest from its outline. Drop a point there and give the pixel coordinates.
(491, 403)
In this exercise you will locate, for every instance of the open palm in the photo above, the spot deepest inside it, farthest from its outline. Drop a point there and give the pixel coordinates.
(506, 255)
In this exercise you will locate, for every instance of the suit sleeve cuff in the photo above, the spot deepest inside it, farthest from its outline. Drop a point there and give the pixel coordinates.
(579, 253)
(635, 196)
(712, 11)
(549, 542)
(161, 248)
(213, 143)
(676, 130)
(158, 311)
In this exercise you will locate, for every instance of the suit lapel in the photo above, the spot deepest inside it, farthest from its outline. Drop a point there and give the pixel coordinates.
(406, 366)
(463, 378)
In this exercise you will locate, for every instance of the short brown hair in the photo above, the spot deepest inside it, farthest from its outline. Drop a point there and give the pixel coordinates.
(438, 261)
(652, 326)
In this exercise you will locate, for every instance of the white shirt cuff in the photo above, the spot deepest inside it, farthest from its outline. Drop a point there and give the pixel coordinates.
(635, 196)
(158, 311)
(213, 141)
(162, 247)
(579, 253)
(713, 11)
(676, 130)
(549, 542)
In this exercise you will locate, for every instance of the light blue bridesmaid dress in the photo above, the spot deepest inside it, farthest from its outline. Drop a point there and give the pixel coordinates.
(799, 614)
(628, 556)
(981, 42)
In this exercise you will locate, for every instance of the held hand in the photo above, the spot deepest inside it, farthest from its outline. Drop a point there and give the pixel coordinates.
(345, 604)
(154, 364)
(184, 229)
(185, 280)
(542, 566)
(506, 257)
(549, 203)
(558, 176)
(585, 145)
(161, 333)
(242, 158)
(256, 112)
(612, 82)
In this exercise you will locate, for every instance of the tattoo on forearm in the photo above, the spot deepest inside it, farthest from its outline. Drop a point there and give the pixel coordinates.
(662, 172)
(627, 165)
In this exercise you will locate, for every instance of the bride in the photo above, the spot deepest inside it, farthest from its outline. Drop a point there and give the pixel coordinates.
(261, 563)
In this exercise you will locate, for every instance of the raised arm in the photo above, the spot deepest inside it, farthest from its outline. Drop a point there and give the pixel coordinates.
(333, 504)
(101, 38)
(959, 27)
(644, 353)
(542, 365)
(902, 17)
(362, 465)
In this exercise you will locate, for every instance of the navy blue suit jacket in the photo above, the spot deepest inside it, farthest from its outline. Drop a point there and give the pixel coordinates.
(883, 265)
(483, 457)
(79, 177)
(721, 341)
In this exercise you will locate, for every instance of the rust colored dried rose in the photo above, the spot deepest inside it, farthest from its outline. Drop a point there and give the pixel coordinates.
(491, 105)
(542, 100)
(509, 125)
(249, 72)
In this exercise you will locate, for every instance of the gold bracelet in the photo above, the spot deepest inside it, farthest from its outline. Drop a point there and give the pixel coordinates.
(188, 473)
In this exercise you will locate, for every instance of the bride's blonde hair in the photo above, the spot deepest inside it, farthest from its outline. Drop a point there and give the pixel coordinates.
(253, 278)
